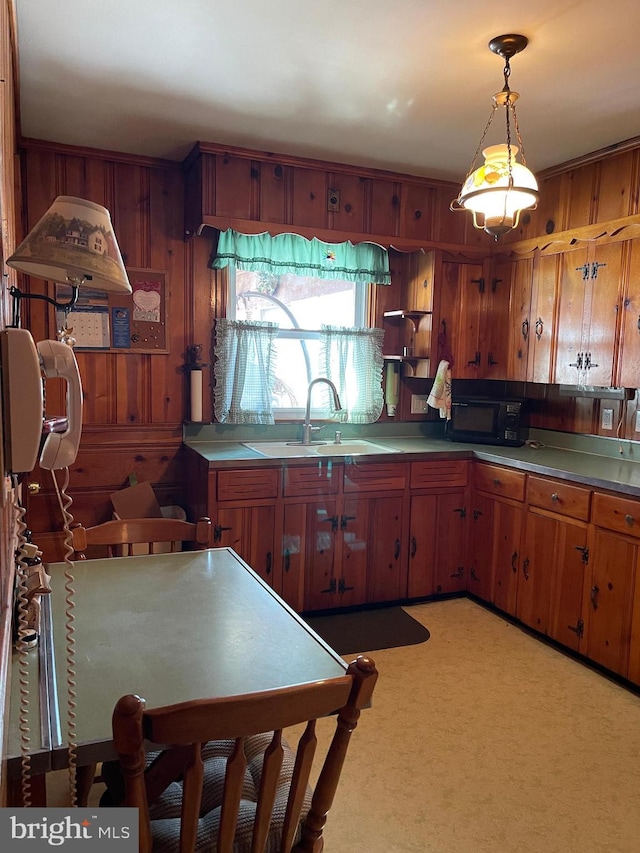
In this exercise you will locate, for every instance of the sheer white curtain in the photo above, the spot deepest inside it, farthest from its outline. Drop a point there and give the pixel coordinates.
(243, 371)
(352, 359)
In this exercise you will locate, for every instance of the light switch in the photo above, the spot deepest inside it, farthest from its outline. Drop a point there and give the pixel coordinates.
(419, 404)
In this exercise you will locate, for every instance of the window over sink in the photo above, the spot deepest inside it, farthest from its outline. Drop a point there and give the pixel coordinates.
(295, 313)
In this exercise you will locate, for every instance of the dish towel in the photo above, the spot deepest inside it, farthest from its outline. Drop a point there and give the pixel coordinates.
(440, 396)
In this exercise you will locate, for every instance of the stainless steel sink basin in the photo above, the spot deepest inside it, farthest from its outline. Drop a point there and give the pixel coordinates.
(351, 447)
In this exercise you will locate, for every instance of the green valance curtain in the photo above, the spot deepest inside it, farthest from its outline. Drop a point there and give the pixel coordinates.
(291, 253)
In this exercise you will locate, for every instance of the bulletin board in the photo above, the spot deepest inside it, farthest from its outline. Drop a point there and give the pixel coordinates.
(121, 322)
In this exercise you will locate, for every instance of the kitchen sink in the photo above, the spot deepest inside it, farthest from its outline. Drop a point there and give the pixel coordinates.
(351, 447)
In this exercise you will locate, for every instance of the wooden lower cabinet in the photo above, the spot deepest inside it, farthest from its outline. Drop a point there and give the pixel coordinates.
(560, 557)
(609, 599)
(354, 552)
(552, 573)
(250, 531)
(438, 543)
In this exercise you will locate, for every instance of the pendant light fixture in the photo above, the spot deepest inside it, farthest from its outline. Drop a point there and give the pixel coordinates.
(501, 188)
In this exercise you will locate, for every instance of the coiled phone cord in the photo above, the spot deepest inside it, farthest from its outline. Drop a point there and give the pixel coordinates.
(65, 502)
(23, 650)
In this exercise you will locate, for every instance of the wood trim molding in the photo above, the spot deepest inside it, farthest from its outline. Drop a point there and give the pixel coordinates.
(613, 231)
(97, 153)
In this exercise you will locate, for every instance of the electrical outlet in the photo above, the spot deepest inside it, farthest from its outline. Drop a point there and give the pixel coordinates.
(419, 404)
(607, 419)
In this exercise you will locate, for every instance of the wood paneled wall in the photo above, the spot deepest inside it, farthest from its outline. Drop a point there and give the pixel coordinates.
(134, 403)
(8, 177)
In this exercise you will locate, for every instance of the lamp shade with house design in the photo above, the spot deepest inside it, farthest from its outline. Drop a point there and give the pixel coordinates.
(72, 243)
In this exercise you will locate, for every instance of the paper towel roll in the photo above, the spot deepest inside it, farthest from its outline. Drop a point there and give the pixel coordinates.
(196, 396)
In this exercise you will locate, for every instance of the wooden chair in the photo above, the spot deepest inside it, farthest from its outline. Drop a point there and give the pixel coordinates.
(124, 534)
(223, 779)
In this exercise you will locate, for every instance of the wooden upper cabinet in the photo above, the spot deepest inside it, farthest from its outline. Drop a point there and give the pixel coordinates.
(474, 306)
(232, 187)
(589, 300)
(629, 354)
(532, 318)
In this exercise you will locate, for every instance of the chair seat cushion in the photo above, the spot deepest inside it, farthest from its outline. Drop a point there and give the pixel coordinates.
(165, 812)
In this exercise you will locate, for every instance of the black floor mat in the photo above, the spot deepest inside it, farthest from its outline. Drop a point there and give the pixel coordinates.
(367, 630)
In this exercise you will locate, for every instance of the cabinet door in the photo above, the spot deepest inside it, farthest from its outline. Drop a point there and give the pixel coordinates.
(480, 560)
(461, 312)
(588, 315)
(451, 543)
(506, 538)
(250, 532)
(494, 331)
(387, 574)
(613, 561)
(355, 533)
(542, 319)
(605, 275)
(572, 318)
(321, 529)
(422, 545)
(293, 554)
(536, 571)
(569, 570)
(520, 324)
(629, 357)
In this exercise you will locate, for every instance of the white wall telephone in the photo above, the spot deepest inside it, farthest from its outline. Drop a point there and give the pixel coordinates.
(24, 364)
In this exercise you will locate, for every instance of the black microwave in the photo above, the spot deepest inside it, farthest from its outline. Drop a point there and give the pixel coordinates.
(485, 421)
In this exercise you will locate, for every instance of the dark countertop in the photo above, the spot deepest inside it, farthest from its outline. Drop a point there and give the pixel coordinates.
(591, 469)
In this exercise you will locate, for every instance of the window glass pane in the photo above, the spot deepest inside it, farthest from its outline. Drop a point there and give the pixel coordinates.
(300, 306)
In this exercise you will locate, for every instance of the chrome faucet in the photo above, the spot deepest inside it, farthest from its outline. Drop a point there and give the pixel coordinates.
(307, 428)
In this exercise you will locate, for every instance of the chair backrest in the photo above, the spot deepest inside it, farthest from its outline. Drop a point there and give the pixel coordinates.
(239, 787)
(124, 534)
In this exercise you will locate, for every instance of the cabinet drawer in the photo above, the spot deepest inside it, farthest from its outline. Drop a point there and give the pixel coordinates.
(375, 476)
(319, 478)
(500, 481)
(432, 475)
(247, 483)
(560, 497)
(616, 513)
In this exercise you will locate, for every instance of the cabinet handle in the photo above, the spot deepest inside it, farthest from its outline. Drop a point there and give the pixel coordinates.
(332, 520)
(472, 572)
(268, 563)
(459, 572)
(577, 363)
(595, 591)
(287, 560)
(396, 552)
(490, 360)
(496, 481)
(555, 497)
(639, 322)
(344, 520)
(331, 588)
(462, 510)
(525, 329)
(414, 546)
(342, 586)
(217, 532)
(525, 568)
(539, 328)
(630, 520)
(514, 558)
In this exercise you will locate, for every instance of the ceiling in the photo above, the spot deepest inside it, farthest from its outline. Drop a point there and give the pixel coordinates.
(404, 85)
